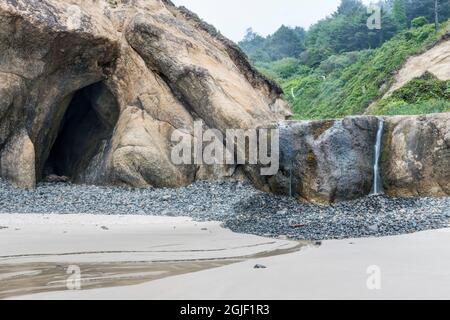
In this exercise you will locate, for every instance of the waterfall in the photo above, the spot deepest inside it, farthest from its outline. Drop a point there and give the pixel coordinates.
(377, 186)
(290, 177)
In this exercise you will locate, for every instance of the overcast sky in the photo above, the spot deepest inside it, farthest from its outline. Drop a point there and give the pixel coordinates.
(233, 17)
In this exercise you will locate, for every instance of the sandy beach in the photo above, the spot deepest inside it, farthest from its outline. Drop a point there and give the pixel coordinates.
(37, 250)
(142, 257)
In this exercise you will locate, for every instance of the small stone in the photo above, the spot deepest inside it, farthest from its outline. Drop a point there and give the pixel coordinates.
(260, 266)
(168, 213)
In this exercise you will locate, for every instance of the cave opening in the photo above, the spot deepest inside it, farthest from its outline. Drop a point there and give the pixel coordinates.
(84, 131)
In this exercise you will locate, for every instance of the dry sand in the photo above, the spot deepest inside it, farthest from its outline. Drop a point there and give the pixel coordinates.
(415, 266)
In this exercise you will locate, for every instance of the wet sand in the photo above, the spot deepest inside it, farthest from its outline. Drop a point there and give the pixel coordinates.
(115, 251)
(31, 278)
(176, 258)
(415, 266)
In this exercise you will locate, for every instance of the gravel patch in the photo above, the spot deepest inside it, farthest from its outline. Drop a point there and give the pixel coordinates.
(367, 217)
(240, 207)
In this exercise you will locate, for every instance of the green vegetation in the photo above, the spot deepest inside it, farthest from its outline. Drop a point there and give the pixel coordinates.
(426, 94)
(285, 42)
(399, 14)
(347, 84)
(419, 22)
(342, 67)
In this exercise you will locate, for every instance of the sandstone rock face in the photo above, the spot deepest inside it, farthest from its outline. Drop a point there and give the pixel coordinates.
(416, 155)
(17, 161)
(326, 161)
(94, 91)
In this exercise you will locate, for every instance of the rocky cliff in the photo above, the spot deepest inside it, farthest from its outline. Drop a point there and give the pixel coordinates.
(94, 90)
(333, 160)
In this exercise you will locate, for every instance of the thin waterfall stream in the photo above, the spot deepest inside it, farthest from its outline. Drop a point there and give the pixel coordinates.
(377, 185)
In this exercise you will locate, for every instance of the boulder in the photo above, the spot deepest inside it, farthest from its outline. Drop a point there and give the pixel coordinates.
(325, 161)
(333, 160)
(416, 156)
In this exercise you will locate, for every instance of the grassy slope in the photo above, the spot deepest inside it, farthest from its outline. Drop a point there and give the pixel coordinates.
(347, 84)
(422, 95)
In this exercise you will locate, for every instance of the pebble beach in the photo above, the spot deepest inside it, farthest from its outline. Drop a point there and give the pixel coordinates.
(240, 207)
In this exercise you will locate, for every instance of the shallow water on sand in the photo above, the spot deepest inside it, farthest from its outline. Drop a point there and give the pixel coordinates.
(29, 278)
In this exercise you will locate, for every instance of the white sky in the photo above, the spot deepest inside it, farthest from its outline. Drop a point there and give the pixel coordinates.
(233, 17)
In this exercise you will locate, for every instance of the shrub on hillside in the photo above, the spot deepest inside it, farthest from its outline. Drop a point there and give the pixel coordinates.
(419, 22)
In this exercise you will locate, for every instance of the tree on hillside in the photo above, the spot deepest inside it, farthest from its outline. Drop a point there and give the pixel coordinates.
(253, 46)
(301, 33)
(436, 14)
(399, 14)
(427, 9)
(250, 35)
(348, 7)
(284, 43)
(345, 31)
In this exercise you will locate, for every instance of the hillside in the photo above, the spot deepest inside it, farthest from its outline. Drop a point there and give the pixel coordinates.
(342, 66)
(413, 67)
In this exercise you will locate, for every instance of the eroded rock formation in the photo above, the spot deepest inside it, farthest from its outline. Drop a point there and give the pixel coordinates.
(94, 91)
(416, 156)
(328, 161)
(325, 161)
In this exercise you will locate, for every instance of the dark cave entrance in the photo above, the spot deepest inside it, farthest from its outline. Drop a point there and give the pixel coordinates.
(85, 129)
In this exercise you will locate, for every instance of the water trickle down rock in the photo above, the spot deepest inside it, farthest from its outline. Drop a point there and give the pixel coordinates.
(377, 183)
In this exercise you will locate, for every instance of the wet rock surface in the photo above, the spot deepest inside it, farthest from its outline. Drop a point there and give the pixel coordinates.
(326, 161)
(241, 208)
